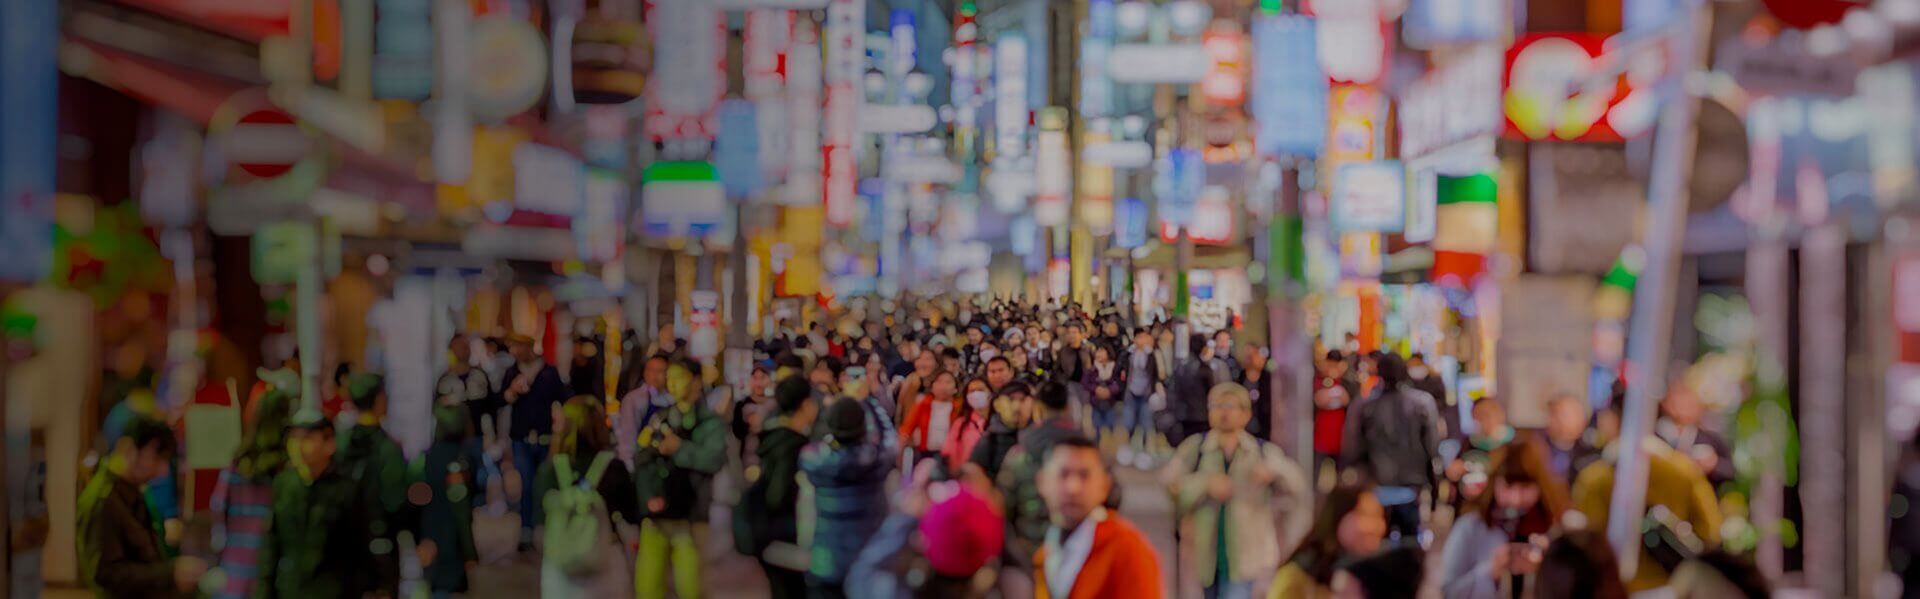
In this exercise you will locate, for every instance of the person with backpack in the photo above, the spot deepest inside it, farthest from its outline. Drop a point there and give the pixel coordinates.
(448, 469)
(1393, 437)
(373, 461)
(766, 523)
(1229, 488)
(848, 472)
(679, 447)
(584, 493)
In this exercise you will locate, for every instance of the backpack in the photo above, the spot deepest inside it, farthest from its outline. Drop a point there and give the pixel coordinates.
(574, 516)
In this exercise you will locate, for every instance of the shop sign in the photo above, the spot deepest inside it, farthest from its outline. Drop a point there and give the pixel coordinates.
(844, 68)
(1429, 23)
(259, 138)
(1211, 221)
(896, 118)
(1289, 91)
(681, 199)
(1051, 178)
(737, 151)
(1130, 223)
(1010, 100)
(1178, 180)
(169, 171)
(689, 69)
(1456, 102)
(1224, 83)
(1550, 94)
(547, 180)
(1783, 65)
(452, 116)
(1369, 196)
(1117, 154)
(1352, 40)
(512, 66)
(599, 229)
(1353, 112)
(803, 184)
(1361, 256)
(403, 36)
(1177, 64)
(703, 324)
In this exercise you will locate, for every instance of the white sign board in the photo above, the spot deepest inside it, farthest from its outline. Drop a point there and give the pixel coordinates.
(1456, 102)
(547, 180)
(1369, 196)
(1158, 63)
(1546, 343)
(1118, 154)
(896, 118)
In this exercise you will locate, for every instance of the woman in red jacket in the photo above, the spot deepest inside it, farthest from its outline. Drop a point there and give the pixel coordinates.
(928, 423)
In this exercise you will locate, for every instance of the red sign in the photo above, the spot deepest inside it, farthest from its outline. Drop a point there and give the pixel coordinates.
(257, 137)
(1550, 93)
(1906, 313)
(1807, 14)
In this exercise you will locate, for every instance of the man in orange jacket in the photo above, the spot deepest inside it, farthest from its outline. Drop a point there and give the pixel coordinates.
(1090, 552)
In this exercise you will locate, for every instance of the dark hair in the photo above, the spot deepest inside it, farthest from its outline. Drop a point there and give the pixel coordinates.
(833, 365)
(1002, 360)
(1416, 356)
(950, 353)
(691, 366)
(1523, 462)
(341, 372)
(1073, 441)
(1580, 565)
(1196, 343)
(1053, 395)
(1392, 370)
(1737, 571)
(1394, 574)
(1013, 387)
(801, 342)
(148, 433)
(1319, 553)
(1334, 355)
(264, 452)
(789, 360)
(364, 401)
(791, 393)
(661, 358)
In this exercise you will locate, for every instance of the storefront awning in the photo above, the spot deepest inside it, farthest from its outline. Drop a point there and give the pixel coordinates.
(191, 94)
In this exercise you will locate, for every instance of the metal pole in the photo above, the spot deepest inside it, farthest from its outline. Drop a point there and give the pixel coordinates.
(307, 292)
(1653, 304)
(1293, 414)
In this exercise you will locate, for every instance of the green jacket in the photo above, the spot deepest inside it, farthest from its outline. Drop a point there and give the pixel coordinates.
(318, 543)
(121, 555)
(371, 458)
(680, 479)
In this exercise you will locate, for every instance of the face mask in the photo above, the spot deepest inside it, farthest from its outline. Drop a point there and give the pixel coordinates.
(978, 400)
(988, 354)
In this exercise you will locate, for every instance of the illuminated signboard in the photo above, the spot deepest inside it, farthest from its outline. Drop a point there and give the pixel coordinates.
(1548, 96)
(845, 65)
(1456, 102)
(803, 110)
(1353, 111)
(1428, 23)
(1224, 83)
(1010, 100)
(1289, 92)
(1352, 40)
(403, 49)
(689, 69)
(1369, 196)
(1052, 170)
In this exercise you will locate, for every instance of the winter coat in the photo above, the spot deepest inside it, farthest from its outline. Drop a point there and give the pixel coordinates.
(1122, 565)
(1258, 515)
(850, 501)
(1026, 514)
(1187, 396)
(1115, 384)
(682, 478)
(121, 555)
(915, 432)
(1394, 438)
(447, 519)
(370, 458)
(991, 452)
(962, 437)
(317, 545)
(778, 485)
(1673, 481)
(532, 413)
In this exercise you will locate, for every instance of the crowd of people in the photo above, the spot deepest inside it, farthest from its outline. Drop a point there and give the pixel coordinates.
(950, 451)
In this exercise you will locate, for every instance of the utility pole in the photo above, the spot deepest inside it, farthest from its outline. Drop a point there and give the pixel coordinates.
(1292, 418)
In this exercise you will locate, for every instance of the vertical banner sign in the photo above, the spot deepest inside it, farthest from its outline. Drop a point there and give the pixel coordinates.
(1289, 91)
(737, 151)
(966, 86)
(1010, 100)
(403, 50)
(846, 54)
(453, 120)
(1051, 171)
(1130, 223)
(689, 69)
(803, 111)
(1178, 180)
(769, 39)
(599, 228)
(1096, 88)
(28, 81)
(1354, 111)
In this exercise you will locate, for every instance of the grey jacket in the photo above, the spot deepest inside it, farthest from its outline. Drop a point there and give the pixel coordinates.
(1394, 437)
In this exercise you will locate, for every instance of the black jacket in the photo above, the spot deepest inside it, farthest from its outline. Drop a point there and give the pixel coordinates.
(1393, 436)
(992, 449)
(1187, 396)
(779, 453)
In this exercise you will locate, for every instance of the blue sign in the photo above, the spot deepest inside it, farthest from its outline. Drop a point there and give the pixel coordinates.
(1289, 103)
(28, 84)
(1130, 223)
(1178, 179)
(737, 150)
(1429, 23)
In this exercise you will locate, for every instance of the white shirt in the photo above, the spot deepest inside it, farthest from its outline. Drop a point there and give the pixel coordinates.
(1066, 558)
(940, 418)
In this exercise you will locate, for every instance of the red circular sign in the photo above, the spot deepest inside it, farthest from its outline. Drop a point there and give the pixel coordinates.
(1807, 14)
(266, 143)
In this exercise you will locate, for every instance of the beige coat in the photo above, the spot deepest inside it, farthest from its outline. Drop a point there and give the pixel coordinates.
(1259, 514)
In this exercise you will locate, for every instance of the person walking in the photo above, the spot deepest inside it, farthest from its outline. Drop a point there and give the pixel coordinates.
(121, 552)
(931, 417)
(373, 461)
(1144, 378)
(243, 498)
(533, 387)
(634, 406)
(1018, 484)
(680, 446)
(933, 548)
(1010, 417)
(1393, 438)
(969, 424)
(1261, 386)
(1231, 492)
(317, 544)
(1565, 439)
(585, 493)
(1333, 393)
(446, 521)
(1104, 383)
(1090, 552)
(1188, 394)
(1350, 524)
(848, 472)
(1494, 548)
(768, 510)
(468, 388)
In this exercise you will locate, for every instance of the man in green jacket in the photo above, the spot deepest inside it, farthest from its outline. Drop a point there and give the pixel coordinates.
(680, 445)
(318, 544)
(121, 554)
(373, 461)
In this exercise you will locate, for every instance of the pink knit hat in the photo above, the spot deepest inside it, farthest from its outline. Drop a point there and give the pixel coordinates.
(962, 533)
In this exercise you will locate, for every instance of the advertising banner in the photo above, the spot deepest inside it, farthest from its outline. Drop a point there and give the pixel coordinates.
(1369, 196)
(1289, 103)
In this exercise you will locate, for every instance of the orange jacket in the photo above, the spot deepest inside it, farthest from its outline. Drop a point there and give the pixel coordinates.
(914, 434)
(1122, 565)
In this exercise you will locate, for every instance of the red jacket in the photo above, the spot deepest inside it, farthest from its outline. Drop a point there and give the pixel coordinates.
(914, 432)
(1122, 565)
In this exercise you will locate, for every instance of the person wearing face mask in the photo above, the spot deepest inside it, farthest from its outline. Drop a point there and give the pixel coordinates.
(1427, 381)
(1010, 416)
(932, 417)
(1495, 546)
(969, 425)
